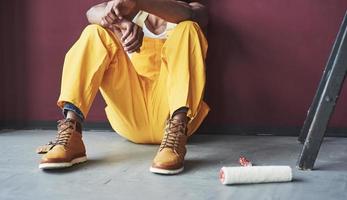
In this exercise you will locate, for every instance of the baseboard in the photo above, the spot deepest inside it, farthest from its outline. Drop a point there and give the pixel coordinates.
(204, 129)
(261, 130)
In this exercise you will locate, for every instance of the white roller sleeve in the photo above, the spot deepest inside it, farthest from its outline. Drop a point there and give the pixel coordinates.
(255, 174)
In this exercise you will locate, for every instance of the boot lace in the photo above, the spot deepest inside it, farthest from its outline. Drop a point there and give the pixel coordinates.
(65, 129)
(173, 131)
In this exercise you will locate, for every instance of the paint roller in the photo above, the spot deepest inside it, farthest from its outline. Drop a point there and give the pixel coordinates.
(247, 174)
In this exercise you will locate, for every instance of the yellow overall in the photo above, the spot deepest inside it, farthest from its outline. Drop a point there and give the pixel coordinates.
(141, 93)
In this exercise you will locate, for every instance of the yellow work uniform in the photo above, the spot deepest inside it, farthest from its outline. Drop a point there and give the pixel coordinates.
(141, 93)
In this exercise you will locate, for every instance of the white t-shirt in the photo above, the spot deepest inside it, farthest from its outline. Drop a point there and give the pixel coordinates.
(150, 34)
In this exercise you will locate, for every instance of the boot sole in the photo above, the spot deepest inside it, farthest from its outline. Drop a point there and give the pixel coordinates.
(165, 171)
(64, 164)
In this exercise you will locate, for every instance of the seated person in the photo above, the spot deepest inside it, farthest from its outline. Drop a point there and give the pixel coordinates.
(147, 58)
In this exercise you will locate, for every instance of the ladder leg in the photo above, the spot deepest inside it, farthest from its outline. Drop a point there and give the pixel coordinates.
(313, 108)
(325, 107)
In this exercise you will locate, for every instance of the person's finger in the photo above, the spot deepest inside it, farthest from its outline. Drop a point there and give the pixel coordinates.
(133, 49)
(109, 19)
(127, 33)
(112, 16)
(115, 27)
(104, 22)
(111, 27)
(136, 43)
(141, 37)
(130, 40)
(117, 12)
(140, 41)
(133, 37)
(136, 48)
(132, 46)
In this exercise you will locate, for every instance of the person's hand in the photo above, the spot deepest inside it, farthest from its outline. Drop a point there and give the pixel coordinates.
(109, 16)
(122, 8)
(132, 35)
(117, 9)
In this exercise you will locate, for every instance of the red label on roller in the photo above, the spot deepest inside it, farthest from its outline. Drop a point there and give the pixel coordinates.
(244, 162)
(221, 175)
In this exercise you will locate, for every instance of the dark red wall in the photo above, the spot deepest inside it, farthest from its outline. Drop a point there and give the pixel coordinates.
(266, 59)
(264, 63)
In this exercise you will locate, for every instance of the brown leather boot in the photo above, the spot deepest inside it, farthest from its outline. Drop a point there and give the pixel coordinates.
(170, 156)
(68, 148)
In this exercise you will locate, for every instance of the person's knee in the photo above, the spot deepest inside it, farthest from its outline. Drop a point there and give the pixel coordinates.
(97, 34)
(187, 29)
(188, 25)
(93, 29)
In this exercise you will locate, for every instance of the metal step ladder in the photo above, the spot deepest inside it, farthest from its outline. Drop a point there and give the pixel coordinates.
(324, 101)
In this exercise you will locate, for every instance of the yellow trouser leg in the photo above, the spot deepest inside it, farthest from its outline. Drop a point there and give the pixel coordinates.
(181, 77)
(84, 67)
(95, 61)
(183, 71)
(184, 55)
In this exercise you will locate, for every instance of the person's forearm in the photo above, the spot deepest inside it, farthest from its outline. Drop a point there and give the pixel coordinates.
(175, 11)
(97, 12)
(95, 15)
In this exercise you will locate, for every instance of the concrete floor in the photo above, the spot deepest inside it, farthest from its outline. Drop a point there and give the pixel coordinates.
(118, 169)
